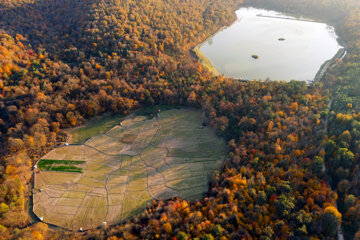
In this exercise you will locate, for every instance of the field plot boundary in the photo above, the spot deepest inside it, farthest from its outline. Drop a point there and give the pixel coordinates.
(125, 167)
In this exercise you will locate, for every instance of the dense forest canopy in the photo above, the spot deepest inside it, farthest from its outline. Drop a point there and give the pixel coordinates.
(64, 61)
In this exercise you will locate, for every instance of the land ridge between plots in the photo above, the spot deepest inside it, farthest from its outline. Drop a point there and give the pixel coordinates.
(117, 172)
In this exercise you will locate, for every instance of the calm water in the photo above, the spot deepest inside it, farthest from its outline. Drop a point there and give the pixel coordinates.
(306, 47)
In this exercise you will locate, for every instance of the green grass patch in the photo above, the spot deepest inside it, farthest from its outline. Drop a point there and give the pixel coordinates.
(65, 169)
(151, 111)
(94, 127)
(52, 161)
(60, 165)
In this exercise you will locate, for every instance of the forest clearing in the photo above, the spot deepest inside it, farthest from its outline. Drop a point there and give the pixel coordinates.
(122, 169)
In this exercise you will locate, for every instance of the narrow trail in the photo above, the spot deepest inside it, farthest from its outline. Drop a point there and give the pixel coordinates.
(107, 190)
(326, 128)
(330, 63)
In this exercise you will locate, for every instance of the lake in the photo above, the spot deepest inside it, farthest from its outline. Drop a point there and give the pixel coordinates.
(264, 44)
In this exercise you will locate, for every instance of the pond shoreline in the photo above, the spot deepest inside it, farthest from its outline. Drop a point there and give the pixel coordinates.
(341, 53)
(287, 18)
(201, 57)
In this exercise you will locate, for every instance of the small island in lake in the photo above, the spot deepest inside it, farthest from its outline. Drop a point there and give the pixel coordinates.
(281, 39)
(255, 56)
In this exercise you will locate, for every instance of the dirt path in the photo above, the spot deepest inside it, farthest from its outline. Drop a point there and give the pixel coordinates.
(326, 127)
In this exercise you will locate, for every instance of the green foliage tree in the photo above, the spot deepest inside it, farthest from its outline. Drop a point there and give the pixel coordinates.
(317, 165)
(285, 204)
(344, 157)
(330, 224)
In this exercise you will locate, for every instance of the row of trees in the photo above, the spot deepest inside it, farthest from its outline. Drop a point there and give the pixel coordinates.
(343, 145)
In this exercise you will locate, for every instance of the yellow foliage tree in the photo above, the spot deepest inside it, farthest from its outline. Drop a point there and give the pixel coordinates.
(37, 235)
(167, 228)
(332, 210)
(10, 170)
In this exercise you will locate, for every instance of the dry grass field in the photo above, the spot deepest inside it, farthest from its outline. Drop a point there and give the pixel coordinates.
(136, 160)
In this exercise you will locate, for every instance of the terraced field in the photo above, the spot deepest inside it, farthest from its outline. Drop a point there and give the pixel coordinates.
(122, 169)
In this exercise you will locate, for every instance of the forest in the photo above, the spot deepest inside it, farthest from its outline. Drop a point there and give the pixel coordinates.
(292, 170)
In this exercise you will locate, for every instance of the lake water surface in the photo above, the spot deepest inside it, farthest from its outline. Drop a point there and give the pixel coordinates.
(286, 48)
